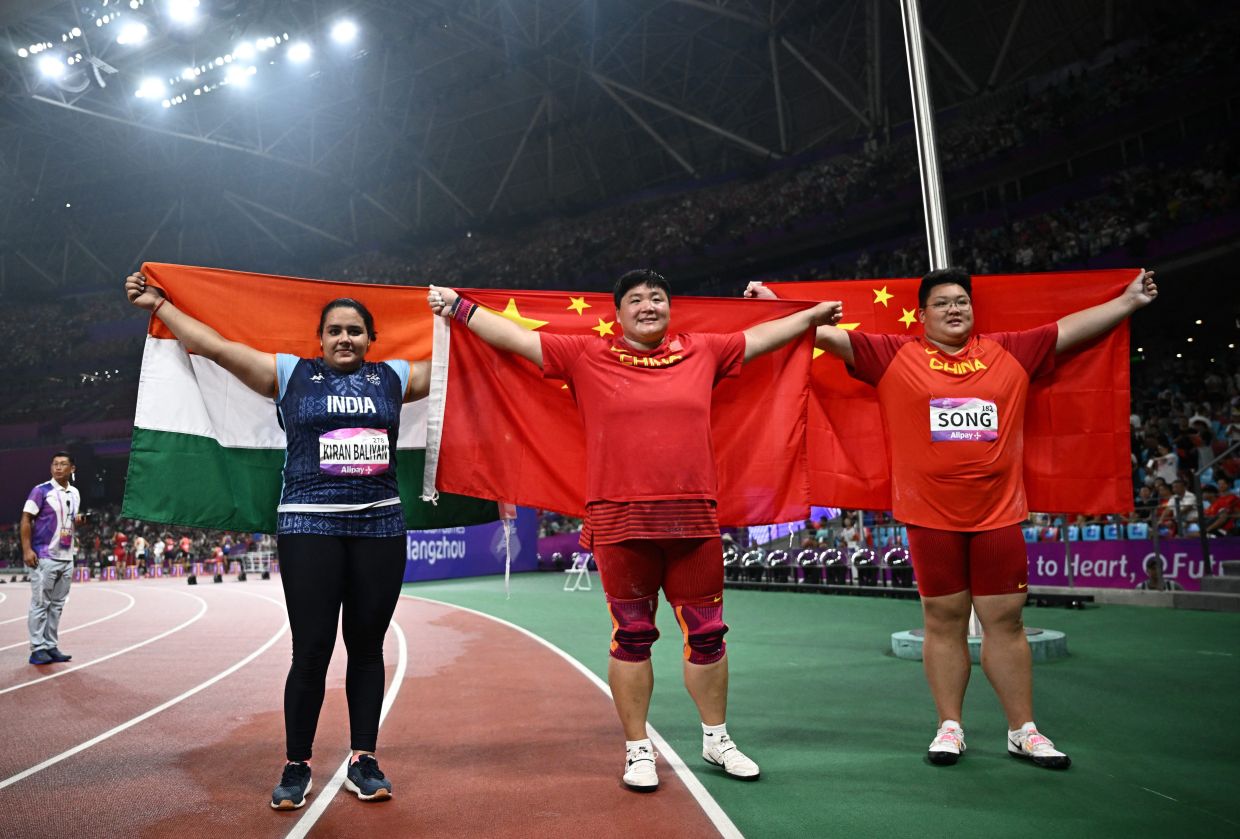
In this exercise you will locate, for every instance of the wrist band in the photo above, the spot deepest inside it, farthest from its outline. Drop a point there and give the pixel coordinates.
(161, 302)
(463, 310)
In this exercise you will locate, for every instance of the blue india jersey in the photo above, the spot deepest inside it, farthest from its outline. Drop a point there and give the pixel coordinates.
(340, 464)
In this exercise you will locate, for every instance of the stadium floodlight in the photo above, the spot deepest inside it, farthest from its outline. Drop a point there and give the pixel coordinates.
(22, 52)
(76, 32)
(344, 32)
(239, 75)
(151, 88)
(299, 52)
(51, 66)
(132, 33)
(181, 11)
(244, 51)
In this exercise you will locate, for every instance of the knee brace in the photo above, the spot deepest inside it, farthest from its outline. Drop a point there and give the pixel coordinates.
(632, 627)
(701, 622)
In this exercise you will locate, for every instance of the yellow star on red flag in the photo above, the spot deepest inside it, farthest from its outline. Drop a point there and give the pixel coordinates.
(510, 312)
(604, 327)
(908, 317)
(849, 326)
(881, 295)
(578, 304)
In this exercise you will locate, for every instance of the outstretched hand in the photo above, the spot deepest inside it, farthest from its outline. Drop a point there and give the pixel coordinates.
(440, 299)
(140, 294)
(1142, 290)
(757, 289)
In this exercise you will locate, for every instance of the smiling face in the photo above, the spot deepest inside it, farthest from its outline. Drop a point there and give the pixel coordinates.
(644, 314)
(948, 315)
(344, 339)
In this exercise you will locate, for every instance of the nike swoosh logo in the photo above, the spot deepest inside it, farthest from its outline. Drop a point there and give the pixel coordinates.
(1022, 585)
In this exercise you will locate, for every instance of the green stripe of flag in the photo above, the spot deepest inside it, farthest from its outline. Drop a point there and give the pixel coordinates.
(190, 480)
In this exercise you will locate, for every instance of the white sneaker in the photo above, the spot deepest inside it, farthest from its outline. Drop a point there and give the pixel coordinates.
(1031, 745)
(639, 772)
(721, 751)
(947, 745)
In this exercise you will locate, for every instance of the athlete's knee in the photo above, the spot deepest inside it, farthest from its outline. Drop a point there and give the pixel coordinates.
(701, 623)
(632, 627)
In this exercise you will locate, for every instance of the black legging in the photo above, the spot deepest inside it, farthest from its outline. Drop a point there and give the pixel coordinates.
(319, 574)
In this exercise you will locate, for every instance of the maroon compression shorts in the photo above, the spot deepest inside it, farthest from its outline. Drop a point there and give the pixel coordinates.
(983, 562)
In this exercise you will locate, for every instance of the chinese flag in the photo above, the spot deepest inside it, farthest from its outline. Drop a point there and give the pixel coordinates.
(509, 434)
(1077, 443)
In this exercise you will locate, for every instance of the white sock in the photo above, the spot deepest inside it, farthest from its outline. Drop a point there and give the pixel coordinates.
(712, 732)
(951, 724)
(1026, 728)
(634, 744)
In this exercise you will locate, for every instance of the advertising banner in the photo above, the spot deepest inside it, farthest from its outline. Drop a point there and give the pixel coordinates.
(1122, 563)
(473, 551)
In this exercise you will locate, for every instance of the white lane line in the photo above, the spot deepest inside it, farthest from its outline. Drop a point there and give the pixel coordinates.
(122, 611)
(94, 741)
(3, 597)
(1160, 795)
(319, 805)
(201, 611)
(704, 799)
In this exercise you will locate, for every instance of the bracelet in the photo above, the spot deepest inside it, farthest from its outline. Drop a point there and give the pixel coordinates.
(463, 310)
(161, 302)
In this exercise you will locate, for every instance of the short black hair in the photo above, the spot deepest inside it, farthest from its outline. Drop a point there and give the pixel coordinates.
(65, 455)
(355, 305)
(640, 276)
(943, 276)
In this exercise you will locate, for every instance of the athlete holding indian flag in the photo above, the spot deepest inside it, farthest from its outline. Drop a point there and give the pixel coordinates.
(953, 404)
(341, 532)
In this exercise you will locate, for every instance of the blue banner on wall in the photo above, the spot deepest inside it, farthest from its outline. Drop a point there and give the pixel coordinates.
(472, 551)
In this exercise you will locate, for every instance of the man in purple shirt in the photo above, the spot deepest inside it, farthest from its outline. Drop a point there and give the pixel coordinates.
(49, 517)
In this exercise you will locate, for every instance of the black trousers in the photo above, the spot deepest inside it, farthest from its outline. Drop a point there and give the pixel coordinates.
(320, 575)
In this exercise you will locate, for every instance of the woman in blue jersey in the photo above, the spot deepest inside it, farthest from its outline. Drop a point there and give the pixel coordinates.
(340, 529)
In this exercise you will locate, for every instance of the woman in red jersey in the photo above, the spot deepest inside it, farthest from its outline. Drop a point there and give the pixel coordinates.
(953, 404)
(650, 505)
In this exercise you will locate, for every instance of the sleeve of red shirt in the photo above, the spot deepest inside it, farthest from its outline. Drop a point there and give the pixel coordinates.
(560, 354)
(872, 354)
(1033, 348)
(729, 350)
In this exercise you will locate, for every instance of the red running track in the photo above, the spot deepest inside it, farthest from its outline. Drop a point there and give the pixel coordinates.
(489, 733)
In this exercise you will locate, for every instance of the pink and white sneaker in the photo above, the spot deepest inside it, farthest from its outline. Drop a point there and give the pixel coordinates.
(1029, 744)
(948, 744)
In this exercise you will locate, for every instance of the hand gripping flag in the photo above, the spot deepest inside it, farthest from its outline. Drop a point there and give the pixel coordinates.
(509, 434)
(207, 451)
(1077, 443)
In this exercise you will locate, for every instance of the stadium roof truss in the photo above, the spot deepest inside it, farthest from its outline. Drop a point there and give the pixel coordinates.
(447, 114)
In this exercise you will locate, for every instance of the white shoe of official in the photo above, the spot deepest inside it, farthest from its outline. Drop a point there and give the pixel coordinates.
(721, 751)
(947, 745)
(639, 771)
(1029, 744)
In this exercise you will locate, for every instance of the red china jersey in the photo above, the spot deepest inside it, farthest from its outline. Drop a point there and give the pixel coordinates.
(646, 414)
(956, 423)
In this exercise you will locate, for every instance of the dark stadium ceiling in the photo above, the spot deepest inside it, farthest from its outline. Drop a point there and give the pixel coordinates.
(444, 115)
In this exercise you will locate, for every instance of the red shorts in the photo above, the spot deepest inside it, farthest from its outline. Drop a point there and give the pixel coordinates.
(982, 562)
(688, 570)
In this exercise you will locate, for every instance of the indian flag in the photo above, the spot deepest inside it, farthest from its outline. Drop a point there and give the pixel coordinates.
(208, 451)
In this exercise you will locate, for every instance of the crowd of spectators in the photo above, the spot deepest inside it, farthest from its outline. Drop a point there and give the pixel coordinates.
(673, 229)
(108, 539)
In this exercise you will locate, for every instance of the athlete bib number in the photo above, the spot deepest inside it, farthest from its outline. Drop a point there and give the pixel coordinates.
(958, 420)
(354, 451)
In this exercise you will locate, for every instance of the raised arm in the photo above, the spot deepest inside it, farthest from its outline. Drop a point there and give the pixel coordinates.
(828, 337)
(773, 334)
(255, 369)
(1081, 326)
(497, 331)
